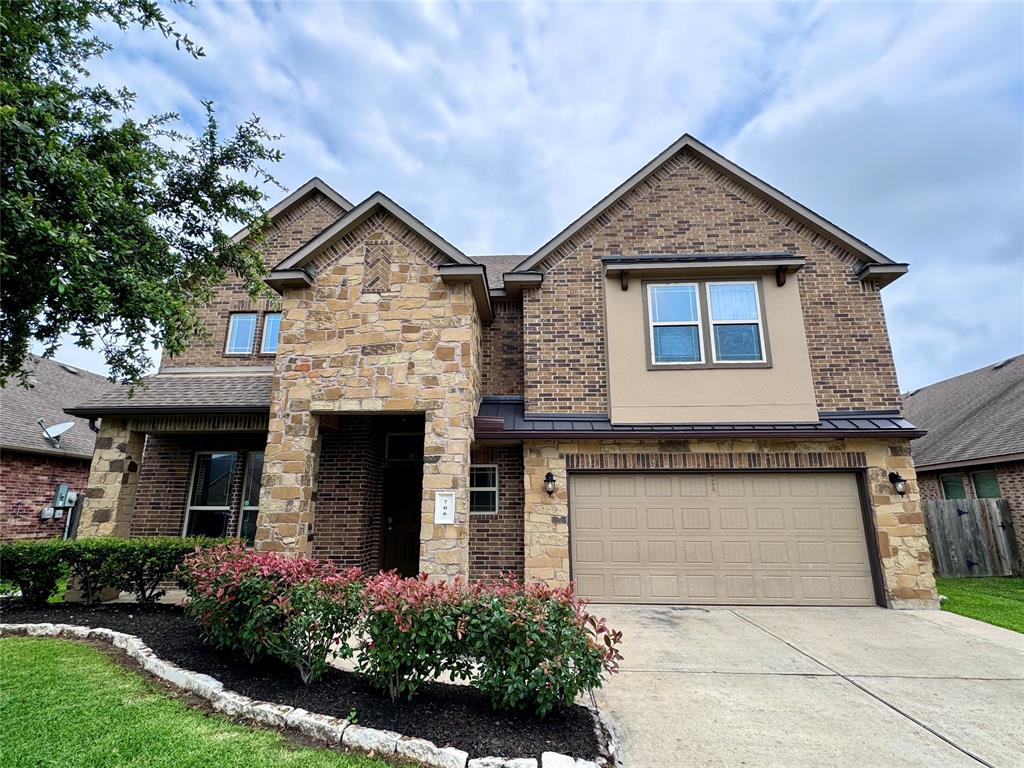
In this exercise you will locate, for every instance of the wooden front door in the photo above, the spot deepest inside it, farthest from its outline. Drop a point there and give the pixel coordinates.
(402, 500)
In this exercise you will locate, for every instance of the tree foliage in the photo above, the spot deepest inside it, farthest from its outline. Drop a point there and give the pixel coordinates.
(110, 224)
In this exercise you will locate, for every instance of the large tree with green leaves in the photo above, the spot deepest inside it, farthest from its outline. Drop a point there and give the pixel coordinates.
(111, 226)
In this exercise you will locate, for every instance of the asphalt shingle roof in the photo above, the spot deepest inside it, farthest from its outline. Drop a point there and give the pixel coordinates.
(228, 392)
(497, 265)
(56, 386)
(977, 415)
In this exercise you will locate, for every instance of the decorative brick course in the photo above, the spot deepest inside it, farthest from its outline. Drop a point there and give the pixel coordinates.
(902, 543)
(496, 540)
(688, 207)
(27, 483)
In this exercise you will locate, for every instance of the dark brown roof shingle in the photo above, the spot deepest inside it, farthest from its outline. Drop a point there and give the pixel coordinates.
(228, 392)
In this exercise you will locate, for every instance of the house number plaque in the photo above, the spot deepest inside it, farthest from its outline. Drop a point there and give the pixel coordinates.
(444, 507)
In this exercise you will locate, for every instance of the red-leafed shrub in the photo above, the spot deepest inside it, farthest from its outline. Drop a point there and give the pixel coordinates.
(246, 600)
(413, 631)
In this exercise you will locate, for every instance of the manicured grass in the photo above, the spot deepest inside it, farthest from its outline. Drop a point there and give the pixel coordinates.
(996, 600)
(66, 704)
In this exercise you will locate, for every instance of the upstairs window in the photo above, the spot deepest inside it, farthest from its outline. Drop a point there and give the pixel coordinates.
(675, 332)
(241, 333)
(735, 315)
(271, 329)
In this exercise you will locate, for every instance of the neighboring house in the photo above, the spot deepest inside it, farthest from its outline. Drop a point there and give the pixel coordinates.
(33, 467)
(687, 396)
(974, 448)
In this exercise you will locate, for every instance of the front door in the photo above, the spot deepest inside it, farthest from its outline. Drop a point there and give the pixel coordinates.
(402, 501)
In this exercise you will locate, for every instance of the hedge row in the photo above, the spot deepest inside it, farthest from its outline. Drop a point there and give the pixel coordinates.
(526, 646)
(138, 566)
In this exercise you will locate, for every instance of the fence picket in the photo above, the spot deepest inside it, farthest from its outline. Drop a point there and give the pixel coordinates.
(972, 537)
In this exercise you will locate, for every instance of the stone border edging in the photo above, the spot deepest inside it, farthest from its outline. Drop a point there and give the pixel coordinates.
(323, 728)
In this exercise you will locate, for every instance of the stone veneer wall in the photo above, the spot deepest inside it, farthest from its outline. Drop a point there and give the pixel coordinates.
(27, 483)
(496, 540)
(1009, 475)
(901, 540)
(687, 206)
(410, 345)
(501, 351)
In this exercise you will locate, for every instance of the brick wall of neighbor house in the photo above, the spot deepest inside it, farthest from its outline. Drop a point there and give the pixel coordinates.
(289, 231)
(901, 540)
(27, 483)
(496, 540)
(348, 494)
(164, 474)
(378, 331)
(501, 351)
(689, 207)
(1009, 475)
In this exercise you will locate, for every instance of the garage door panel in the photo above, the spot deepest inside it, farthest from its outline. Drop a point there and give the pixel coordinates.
(729, 547)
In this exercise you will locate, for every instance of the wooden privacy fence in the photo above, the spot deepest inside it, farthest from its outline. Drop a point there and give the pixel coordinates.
(972, 537)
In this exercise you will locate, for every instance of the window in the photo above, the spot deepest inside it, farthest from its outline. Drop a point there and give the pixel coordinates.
(209, 496)
(250, 497)
(271, 327)
(953, 487)
(986, 486)
(735, 316)
(241, 332)
(483, 489)
(675, 324)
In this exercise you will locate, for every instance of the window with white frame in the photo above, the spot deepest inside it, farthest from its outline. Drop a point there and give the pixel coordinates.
(734, 313)
(483, 489)
(241, 333)
(271, 328)
(209, 495)
(675, 332)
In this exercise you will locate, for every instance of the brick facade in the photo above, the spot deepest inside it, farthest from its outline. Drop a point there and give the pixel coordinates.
(688, 207)
(27, 483)
(290, 230)
(1009, 475)
(501, 351)
(496, 540)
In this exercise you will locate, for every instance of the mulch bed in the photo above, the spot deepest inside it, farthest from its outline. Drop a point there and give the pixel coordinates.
(448, 715)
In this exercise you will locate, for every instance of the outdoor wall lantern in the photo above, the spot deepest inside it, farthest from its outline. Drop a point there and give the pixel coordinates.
(549, 483)
(898, 482)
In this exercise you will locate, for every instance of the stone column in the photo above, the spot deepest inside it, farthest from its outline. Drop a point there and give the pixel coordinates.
(444, 549)
(113, 479)
(290, 466)
(545, 518)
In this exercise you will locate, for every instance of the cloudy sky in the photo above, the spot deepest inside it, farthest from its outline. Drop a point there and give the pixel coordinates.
(499, 124)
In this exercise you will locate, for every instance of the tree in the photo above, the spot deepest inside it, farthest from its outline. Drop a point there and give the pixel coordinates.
(111, 226)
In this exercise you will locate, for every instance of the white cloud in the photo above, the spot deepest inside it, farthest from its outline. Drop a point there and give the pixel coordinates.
(500, 123)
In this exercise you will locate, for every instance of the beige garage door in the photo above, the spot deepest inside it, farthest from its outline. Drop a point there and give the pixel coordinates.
(795, 538)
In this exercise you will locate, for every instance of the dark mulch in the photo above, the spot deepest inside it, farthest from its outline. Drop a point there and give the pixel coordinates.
(448, 715)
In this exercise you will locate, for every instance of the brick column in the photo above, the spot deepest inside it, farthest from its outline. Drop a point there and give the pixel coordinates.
(113, 478)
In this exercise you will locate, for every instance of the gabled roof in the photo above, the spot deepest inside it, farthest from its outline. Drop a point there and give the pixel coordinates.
(315, 184)
(376, 201)
(977, 417)
(826, 228)
(56, 386)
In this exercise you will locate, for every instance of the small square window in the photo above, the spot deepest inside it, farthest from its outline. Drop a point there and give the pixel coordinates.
(986, 485)
(953, 487)
(241, 333)
(483, 489)
(271, 329)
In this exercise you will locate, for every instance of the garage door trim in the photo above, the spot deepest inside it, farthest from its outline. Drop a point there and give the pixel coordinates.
(863, 493)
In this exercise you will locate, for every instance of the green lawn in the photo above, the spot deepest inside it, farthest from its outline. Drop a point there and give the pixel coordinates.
(996, 600)
(66, 704)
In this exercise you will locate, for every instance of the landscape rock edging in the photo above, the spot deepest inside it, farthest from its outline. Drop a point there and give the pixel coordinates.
(324, 728)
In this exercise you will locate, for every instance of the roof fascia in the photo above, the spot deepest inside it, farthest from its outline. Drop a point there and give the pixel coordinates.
(283, 279)
(476, 276)
(980, 462)
(515, 282)
(163, 410)
(72, 455)
(359, 214)
(314, 184)
(745, 178)
(882, 274)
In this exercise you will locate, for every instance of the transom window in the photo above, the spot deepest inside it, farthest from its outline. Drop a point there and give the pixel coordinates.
(483, 489)
(271, 329)
(675, 324)
(735, 315)
(241, 333)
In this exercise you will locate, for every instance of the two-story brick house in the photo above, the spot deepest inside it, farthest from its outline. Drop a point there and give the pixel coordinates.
(687, 396)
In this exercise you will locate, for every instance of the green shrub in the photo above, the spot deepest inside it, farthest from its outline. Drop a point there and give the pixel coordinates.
(140, 565)
(34, 566)
(87, 559)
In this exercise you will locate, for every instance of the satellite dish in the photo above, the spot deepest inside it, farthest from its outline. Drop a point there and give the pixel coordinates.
(52, 434)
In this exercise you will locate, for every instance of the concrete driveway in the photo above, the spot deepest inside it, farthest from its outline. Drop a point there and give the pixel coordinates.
(837, 687)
